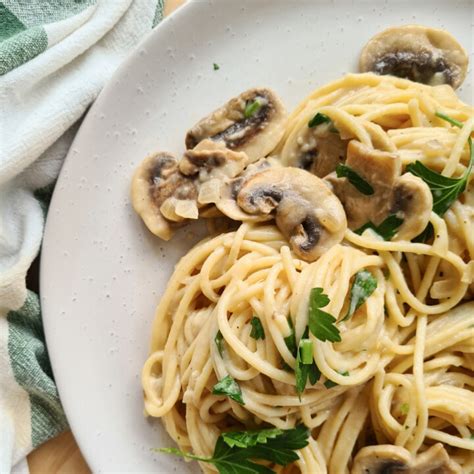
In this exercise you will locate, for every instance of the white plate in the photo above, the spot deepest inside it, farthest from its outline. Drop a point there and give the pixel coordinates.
(102, 272)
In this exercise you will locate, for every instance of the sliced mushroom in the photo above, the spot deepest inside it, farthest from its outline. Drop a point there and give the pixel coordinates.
(406, 196)
(253, 122)
(211, 160)
(412, 201)
(381, 459)
(223, 193)
(226, 198)
(390, 459)
(428, 55)
(308, 214)
(165, 191)
(318, 150)
(156, 185)
(435, 460)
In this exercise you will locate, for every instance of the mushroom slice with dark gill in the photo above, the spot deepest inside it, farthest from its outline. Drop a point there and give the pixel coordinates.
(406, 196)
(161, 194)
(316, 149)
(391, 459)
(427, 55)
(307, 213)
(253, 122)
(223, 193)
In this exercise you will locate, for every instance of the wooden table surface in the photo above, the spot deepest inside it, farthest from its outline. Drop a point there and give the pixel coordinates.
(61, 455)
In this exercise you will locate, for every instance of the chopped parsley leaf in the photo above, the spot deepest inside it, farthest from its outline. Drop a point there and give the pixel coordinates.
(235, 452)
(228, 386)
(257, 331)
(321, 324)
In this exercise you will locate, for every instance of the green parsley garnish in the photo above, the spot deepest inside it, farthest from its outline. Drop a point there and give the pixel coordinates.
(235, 452)
(313, 373)
(306, 351)
(449, 119)
(228, 386)
(321, 324)
(318, 119)
(387, 229)
(425, 235)
(257, 331)
(251, 108)
(344, 171)
(219, 341)
(290, 340)
(331, 384)
(404, 408)
(215, 66)
(444, 190)
(305, 366)
(301, 373)
(364, 285)
(246, 439)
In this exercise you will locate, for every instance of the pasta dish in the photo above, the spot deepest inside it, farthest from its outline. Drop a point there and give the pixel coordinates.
(326, 325)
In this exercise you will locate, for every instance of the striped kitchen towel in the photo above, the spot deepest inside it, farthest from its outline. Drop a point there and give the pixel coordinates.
(55, 56)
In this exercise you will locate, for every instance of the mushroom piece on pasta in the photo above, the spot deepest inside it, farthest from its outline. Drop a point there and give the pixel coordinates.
(225, 192)
(427, 55)
(385, 458)
(252, 122)
(166, 192)
(405, 196)
(161, 194)
(307, 213)
(212, 160)
(317, 149)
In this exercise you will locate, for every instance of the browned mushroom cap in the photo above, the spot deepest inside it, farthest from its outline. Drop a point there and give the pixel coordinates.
(318, 149)
(308, 214)
(415, 52)
(159, 190)
(253, 122)
(387, 458)
(406, 196)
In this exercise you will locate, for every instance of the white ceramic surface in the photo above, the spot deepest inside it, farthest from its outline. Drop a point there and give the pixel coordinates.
(102, 272)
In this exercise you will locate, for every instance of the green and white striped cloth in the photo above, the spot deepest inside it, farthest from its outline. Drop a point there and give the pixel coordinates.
(55, 56)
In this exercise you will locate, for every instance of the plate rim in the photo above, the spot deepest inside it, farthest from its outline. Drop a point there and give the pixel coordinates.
(183, 10)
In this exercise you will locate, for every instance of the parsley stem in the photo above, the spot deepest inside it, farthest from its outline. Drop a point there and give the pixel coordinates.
(251, 108)
(306, 351)
(177, 452)
(449, 119)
